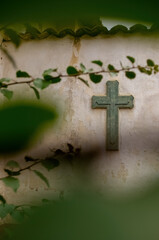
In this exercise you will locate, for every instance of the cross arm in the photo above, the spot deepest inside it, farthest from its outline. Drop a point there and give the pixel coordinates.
(100, 101)
(125, 102)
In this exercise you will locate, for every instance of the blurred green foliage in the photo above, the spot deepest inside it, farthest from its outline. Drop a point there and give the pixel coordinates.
(65, 12)
(90, 217)
(20, 121)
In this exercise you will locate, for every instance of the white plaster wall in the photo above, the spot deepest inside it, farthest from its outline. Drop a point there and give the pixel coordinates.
(136, 164)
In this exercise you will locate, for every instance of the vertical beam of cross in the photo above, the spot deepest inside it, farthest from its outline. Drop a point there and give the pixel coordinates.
(112, 102)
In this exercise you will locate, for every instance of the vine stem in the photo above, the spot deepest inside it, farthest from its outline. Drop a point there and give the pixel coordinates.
(30, 166)
(14, 82)
(23, 169)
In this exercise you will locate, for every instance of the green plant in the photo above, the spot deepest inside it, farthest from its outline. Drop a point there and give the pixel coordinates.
(52, 76)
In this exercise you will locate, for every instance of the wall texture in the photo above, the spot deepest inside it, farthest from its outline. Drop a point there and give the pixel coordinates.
(136, 164)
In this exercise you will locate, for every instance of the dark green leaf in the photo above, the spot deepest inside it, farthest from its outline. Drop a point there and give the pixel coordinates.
(29, 159)
(14, 37)
(11, 182)
(144, 70)
(49, 71)
(50, 163)
(59, 152)
(41, 83)
(111, 68)
(53, 80)
(95, 78)
(156, 68)
(12, 173)
(22, 74)
(131, 59)
(150, 63)
(40, 175)
(6, 209)
(84, 81)
(72, 70)
(149, 72)
(7, 93)
(70, 147)
(98, 62)
(46, 73)
(2, 199)
(27, 117)
(130, 74)
(37, 94)
(12, 164)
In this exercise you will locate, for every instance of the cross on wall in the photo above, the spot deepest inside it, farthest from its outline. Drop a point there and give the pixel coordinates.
(112, 102)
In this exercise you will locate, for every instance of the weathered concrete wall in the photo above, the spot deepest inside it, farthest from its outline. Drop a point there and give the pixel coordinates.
(136, 164)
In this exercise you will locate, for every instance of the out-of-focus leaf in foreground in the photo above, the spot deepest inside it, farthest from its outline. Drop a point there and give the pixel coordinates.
(89, 217)
(20, 121)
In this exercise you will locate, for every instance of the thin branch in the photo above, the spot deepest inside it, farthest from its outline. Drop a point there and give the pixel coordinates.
(30, 166)
(14, 82)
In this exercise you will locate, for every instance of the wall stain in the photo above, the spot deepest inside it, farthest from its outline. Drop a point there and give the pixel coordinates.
(76, 48)
(122, 172)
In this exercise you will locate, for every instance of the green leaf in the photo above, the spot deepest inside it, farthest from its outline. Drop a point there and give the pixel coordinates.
(12, 173)
(113, 74)
(22, 74)
(11, 182)
(84, 81)
(40, 175)
(111, 68)
(121, 65)
(26, 117)
(150, 63)
(12, 164)
(72, 70)
(46, 73)
(14, 37)
(50, 163)
(156, 68)
(2, 199)
(7, 93)
(49, 71)
(41, 83)
(90, 70)
(18, 215)
(6, 209)
(95, 78)
(130, 74)
(37, 94)
(98, 62)
(144, 70)
(83, 68)
(5, 80)
(131, 59)
(53, 80)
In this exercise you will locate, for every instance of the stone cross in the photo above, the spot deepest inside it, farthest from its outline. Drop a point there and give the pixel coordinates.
(112, 102)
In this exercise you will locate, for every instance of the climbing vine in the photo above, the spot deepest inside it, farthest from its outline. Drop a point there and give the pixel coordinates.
(49, 77)
(52, 76)
(13, 170)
